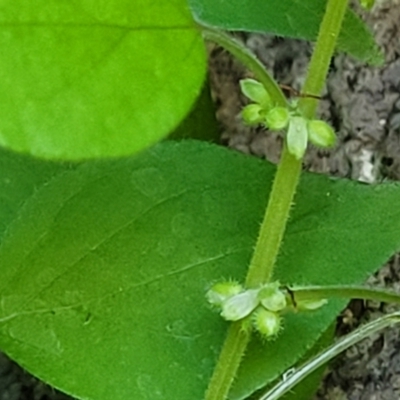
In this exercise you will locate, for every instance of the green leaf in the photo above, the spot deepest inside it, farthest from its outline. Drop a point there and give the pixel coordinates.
(96, 79)
(326, 242)
(105, 269)
(20, 176)
(201, 123)
(296, 19)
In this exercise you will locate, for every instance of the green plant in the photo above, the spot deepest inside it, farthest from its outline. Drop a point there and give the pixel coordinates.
(105, 265)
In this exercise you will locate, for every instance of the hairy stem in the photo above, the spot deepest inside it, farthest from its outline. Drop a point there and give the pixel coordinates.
(322, 54)
(275, 219)
(231, 355)
(284, 186)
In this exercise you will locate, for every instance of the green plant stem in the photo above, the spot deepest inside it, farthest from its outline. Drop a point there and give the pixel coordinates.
(232, 353)
(260, 270)
(275, 219)
(322, 54)
(283, 188)
(311, 293)
(249, 60)
(288, 173)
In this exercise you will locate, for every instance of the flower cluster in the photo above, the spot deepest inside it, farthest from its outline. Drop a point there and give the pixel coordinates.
(262, 305)
(300, 130)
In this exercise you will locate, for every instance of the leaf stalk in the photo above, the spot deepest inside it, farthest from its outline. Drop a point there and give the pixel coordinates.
(249, 60)
(311, 293)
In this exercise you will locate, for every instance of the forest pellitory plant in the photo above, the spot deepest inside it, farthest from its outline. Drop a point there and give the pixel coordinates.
(91, 254)
(262, 306)
(260, 302)
(300, 129)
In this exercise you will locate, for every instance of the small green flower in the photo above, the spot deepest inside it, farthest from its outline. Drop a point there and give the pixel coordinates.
(253, 114)
(222, 291)
(267, 323)
(320, 133)
(297, 136)
(240, 305)
(272, 298)
(256, 92)
(277, 118)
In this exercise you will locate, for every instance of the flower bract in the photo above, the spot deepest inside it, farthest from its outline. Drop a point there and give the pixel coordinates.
(297, 136)
(222, 291)
(253, 114)
(320, 133)
(240, 305)
(256, 92)
(267, 323)
(277, 118)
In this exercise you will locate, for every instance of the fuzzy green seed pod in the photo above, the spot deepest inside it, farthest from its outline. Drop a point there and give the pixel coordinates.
(256, 92)
(297, 136)
(272, 298)
(267, 323)
(222, 291)
(277, 118)
(253, 114)
(240, 305)
(320, 133)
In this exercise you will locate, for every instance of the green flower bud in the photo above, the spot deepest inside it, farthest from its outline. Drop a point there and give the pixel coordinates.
(277, 118)
(267, 323)
(321, 134)
(296, 137)
(310, 305)
(272, 298)
(256, 92)
(240, 305)
(367, 4)
(222, 291)
(253, 114)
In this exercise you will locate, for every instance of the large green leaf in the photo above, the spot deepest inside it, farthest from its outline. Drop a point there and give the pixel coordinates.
(291, 18)
(201, 123)
(20, 176)
(95, 78)
(104, 270)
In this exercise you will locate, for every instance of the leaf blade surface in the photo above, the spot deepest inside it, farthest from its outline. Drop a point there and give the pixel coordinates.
(106, 268)
(96, 79)
(296, 19)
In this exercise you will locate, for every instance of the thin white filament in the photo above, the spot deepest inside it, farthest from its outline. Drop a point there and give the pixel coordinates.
(297, 375)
